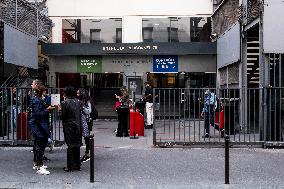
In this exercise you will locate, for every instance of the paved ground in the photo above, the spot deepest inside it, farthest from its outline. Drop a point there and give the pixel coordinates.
(125, 163)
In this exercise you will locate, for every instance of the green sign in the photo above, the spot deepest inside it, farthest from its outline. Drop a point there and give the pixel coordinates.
(89, 64)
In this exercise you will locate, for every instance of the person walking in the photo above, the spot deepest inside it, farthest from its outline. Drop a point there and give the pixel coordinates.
(86, 110)
(208, 111)
(148, 98)
(70, 114)
(39, 126)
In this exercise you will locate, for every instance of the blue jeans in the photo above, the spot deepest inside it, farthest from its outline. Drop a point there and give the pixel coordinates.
(15, 116)
(209, 120)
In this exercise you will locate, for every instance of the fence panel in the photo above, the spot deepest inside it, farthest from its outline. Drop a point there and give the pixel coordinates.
(14, 117)
(192, 117)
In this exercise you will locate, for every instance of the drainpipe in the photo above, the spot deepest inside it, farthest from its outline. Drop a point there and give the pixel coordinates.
(243, 62)
(263, 68)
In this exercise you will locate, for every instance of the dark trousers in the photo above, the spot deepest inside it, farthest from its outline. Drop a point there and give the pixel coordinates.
(87, 142)
(73, 157)
(38, 149)
(209, 120)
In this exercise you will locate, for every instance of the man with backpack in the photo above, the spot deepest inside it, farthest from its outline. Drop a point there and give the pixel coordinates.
(210, 102)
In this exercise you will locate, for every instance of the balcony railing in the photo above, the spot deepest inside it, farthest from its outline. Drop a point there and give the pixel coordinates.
(253, 10)
(26, 17)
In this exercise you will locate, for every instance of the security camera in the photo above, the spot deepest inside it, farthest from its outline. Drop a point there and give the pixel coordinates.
(44, 38)
(213, 36)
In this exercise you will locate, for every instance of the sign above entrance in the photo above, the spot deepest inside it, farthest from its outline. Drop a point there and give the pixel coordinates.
(89, 64)
(165, 63)
(60, 49)
(129, 47)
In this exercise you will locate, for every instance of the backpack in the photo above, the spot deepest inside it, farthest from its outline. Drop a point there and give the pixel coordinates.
(94, 113)
(214, 101)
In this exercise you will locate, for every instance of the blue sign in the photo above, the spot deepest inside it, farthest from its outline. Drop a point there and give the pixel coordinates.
(165, 63)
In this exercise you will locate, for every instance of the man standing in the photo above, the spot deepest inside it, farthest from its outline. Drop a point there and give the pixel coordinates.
(70, 109)
(208, 110)
(148, 98)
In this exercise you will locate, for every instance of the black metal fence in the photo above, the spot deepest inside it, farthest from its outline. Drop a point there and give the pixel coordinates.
(14, 123)
(249, 116)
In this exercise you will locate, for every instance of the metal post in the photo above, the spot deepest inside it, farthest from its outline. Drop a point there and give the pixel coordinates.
(264, 71)
(92, 161)
(227, 141)
(134, 118)
(16, 13)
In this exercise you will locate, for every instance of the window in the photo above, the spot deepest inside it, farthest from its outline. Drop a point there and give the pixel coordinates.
(147, 34)
(95, 36)
(173, 34)
(118, 35)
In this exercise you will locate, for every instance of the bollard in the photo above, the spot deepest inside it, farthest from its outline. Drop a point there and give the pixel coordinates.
(92, 157)
(227, 141)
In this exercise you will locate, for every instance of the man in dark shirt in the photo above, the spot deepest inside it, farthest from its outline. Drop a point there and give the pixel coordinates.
(71, 116)
(148, 98)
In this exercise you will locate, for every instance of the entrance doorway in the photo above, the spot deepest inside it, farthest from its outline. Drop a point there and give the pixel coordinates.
(90, 80)
(182, 80)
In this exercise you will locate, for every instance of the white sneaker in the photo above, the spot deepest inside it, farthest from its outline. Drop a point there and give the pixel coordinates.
(35, 167)
(42, 171)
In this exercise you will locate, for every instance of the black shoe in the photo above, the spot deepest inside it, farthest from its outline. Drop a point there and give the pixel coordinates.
(222, 133)
(45, 159)
(125, 135)
(76, 168)
(148, 127)
(206, 136)
(85, 158)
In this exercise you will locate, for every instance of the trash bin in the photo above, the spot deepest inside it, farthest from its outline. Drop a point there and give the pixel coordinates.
(140, 105)
(136, 123)
(123, 121)
(229, 118)
(23, 130)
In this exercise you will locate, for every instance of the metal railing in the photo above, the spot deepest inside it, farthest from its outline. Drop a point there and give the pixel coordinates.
(250, 116)
(25, 17)
(14, 121)
(238, 113)
(253, 10)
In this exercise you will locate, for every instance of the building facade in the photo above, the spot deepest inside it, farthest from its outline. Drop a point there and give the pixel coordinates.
(99, 46)
(249, 36)
(24, 27)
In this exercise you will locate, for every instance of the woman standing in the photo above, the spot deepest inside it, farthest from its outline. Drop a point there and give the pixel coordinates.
(70, 109)
(39, 123)
(123, 113)
(86, 110)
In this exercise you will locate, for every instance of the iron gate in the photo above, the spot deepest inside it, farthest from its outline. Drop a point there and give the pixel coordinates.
(249, 116)
(14, 124)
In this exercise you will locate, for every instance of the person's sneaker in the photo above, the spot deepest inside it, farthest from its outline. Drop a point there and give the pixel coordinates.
(35, 167)
(42, 171)
(85, 158)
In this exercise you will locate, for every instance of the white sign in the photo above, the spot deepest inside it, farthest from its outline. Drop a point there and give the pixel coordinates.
(55, 99)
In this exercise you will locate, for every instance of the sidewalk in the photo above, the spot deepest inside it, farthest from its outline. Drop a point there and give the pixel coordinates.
(128, 163)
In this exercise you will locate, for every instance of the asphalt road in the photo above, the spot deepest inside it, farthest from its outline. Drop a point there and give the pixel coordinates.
(124, 163)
